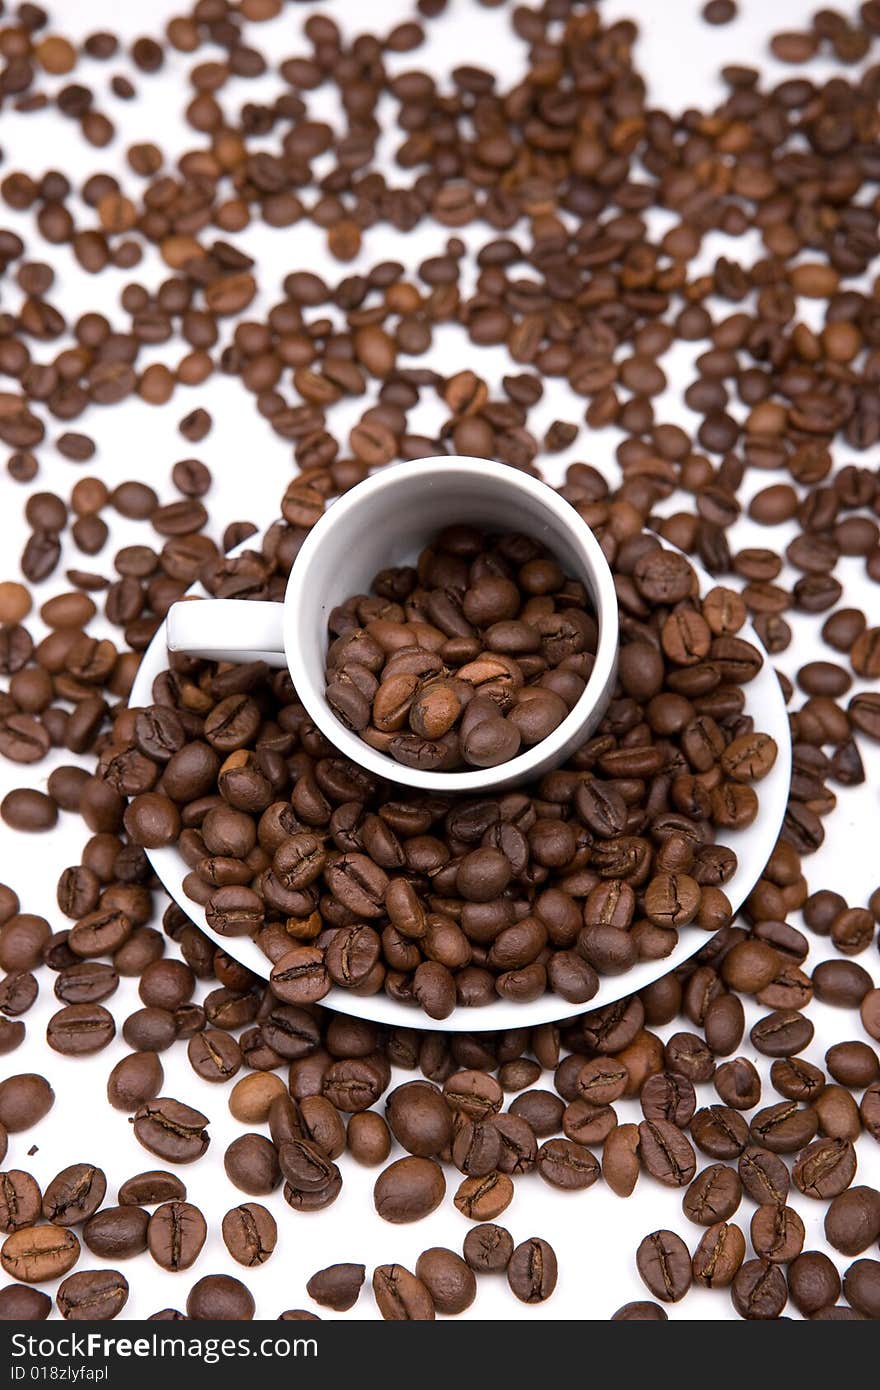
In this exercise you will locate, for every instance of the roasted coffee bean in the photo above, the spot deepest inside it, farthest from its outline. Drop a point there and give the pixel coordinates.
(250, 1233)
(852, 1221)
(813, 1282)
(738, 1084)
(251, 1164)
(220, 1298)
(620, 1159)
(777, 1233)
(759, 1291)
(665, 1153)
(566, 1164)
(796, 1079)
(94, 1295)
(719, 1131)
(74, 1194)
(150, 1188)
(487, 1248)
(483, 1198)
(664, 1264)
(714, 1195)
(419, 1119)
(541, 1109)
(87, 983)
(337, 1287)
(782, 1034)
(367, 1138)
(667, 1096)
(20, 1200)
(117, 1233)
(640, 1311)
(783, 1128)
(764, 1176)
(24, 1101)
(825, 1168)
(36, 1254)
(448, 1279)
(861, 1285)
(18, 1303)
(214, 1056)
(719, 1255)
(401, 1296)
(171, 1130)
(18, 993)
(176, 1233)
(134, 1080)
(409, 1189)
(532, 1270)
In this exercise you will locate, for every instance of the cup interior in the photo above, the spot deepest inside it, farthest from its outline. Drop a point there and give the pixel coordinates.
(387, 521)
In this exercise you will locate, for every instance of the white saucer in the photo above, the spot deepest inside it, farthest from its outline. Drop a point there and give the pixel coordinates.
(752, 847)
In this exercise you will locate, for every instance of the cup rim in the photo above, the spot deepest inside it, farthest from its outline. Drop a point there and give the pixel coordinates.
(526, 764)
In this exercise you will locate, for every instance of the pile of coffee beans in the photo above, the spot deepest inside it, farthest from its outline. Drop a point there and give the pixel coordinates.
(478, 652)
(539, 191)
(346, 880)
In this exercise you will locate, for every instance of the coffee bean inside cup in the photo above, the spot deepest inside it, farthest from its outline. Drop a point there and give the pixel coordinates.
(465, 659)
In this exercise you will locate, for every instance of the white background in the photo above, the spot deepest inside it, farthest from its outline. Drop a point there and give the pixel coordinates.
(595, 1235)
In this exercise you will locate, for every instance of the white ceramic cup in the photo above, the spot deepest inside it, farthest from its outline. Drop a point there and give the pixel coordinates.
(384, 521)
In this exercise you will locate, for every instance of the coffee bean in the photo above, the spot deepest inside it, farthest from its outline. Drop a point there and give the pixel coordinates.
(150, 1188)
(28, 810)
(777, 1233)
(759, 1291)
(220, 1298)
(531, 1271)
(665, 1265)
(719, 1255)
(640, 1311)
(80, 1029)
(401, 1296)
(783, 1128)
(74, 1194)
(419, 1119)
(861, 1285)
(251, 1164)
(568, 1165)
(485, 1197)
(841, 982)
(23, 938)
(337, 1287)
(713, 1196)
(813, 1282)
(94, 1295)
(171, 1130)
(620, 1159)
(367, 1138)
(134, 1080)
(852, 1221)
(20, 1200)
(117, 1233)
(36, 1254)
(24, 1101)
(488, 1248)
(782, 1034)
(18, 1303)
(665, 1153)
(764, 1176)
(176, 1233)
(409, 1189)
(854, 1064)
(448, 1279)
(250, 1233)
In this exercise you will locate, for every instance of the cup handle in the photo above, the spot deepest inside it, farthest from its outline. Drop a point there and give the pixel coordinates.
(227, 629)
